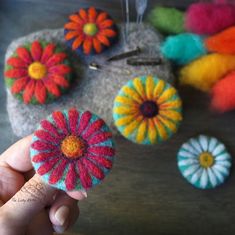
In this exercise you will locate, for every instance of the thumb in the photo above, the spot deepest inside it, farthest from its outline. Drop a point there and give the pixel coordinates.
(28, 201)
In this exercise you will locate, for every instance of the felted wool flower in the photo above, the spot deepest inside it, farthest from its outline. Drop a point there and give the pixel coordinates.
(38, 72)
(72, 150)
(204, 162)
(147, 110)
(90, 31)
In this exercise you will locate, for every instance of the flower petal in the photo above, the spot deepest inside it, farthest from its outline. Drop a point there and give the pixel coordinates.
(71, 177)
(152, 132)
(108, 33)
(71, 34)
(158, 89)
(73, 120)
(43, 146)
(189, 148)
(190, 170)
(83, 14)
(61, 69)
(101, 17)
(19, 85)
(48, 126)
(59, 80)
(141, 132)
(106, 24)
(166, 95)
(71, 26)
(40, 92)
(77, 42)
(87, 45)
(58, 172)
(47, 137)
(93, 169)
(56, 59)
(187, 162)
(149, 87)
(132, 126)
(212, 144)
(47, 166)
(97, 45)
(24, 54)
(60, 121)
(45, 156)
(101, 151)
(221, 169)
(223, 157)
(196, 176)
(204, 179)
(187, 154)
(29, 91)
(48, 52)
(103, 39)
(16, 62)
(160, 128)
(194, 143)
(173, 115)
(36, 50)
(212, 177)
(92, 14)
(218, 149)
(102, 161)
(84, 122)
(93, 128)
(85, 178)
(52, 87)
(77, 19)
(139, 87)
(99, 138)
(16, 73)
(203, 140)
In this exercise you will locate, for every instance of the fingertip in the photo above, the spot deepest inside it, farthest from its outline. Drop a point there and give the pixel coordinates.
(78, 195)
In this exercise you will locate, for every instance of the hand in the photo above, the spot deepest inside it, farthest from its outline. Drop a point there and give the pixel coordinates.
(27, 205)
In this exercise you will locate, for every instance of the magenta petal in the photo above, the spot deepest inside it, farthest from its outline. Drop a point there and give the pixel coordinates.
(45, 156)
(101, 151)
(73, 120)
(60, 121)
(46, 136)
(84, 122)
(99, 138)
(50, 128)
(57, 173)
(36, 50)
(93, 169)
(71, 177)
(85, 178)
(47, 166)
(102, 161)
(94, 127)
(42, 146)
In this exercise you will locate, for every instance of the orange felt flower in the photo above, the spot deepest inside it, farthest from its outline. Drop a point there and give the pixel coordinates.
(90, 30)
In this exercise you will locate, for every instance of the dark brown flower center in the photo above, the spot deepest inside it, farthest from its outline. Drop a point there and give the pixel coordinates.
(149, 109)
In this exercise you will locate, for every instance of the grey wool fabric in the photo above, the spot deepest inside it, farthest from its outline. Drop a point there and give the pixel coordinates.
(92, 90)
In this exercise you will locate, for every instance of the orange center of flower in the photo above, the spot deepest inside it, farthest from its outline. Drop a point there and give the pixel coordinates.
(73, 147)
(37, 70)
(206, 159)
(90, 29)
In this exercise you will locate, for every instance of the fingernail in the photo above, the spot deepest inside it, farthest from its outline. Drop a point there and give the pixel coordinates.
(62, 214)
(84, 193)
(58, 229)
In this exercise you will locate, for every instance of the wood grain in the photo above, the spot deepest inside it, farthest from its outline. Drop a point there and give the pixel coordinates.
(145, 193)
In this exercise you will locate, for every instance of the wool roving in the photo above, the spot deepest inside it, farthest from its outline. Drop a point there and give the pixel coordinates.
(223, 95)
(72, 150)
(90, 31)
(209, 18)
(204, 72)
(183, 48)
(147, 110)
(167, 20)
(204, 162)
(38, 72)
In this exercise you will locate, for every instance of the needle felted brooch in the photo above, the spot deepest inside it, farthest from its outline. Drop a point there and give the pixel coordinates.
(90, 31)
(147, 110)
(38, 72)
(72, 150)
(204, 162)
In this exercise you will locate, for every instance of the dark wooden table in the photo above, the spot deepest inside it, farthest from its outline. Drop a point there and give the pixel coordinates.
(145, 193)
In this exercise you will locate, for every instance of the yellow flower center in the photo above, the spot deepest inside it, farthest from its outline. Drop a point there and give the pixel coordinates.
(90, 29)
(37, 70)
(73, 147)
(206, 159)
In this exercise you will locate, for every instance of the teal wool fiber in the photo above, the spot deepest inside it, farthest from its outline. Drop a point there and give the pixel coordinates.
(183, 48)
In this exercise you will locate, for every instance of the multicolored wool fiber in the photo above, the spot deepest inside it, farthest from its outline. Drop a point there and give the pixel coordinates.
(147, 110)
(38, 72)
(72, 150)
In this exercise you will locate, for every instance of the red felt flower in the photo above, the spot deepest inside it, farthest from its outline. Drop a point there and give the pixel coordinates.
(38, 73)
(72, 150)
(91, 30)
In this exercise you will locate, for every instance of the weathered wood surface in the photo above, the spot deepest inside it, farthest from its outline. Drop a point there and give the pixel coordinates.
(145, 193)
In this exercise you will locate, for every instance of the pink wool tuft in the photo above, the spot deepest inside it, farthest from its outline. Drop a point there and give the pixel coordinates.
(209, 18)
(223, 95)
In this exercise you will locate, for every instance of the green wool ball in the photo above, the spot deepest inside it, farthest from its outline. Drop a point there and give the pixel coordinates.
(167, 20)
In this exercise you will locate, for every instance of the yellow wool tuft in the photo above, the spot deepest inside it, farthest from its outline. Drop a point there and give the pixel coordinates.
(203, 73)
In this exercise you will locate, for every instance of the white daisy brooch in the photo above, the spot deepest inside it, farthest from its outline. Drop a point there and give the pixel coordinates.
(204, 162)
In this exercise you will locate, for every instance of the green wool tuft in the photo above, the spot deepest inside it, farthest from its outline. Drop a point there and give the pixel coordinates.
(167, 20)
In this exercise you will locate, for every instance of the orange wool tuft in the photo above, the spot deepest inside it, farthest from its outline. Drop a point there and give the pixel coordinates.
(223, 42)
(223, 95)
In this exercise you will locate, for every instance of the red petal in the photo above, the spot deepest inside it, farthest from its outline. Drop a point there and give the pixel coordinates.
(29, 91)
(84, 122)
(87, 45)
(103, 39)
(16, 73)
(24, 54)
(92, 14)
(16, 62)
(48, 52)
(72, 34)
(77, 42)
(48, 126)
(85, 178)
(52, 87)
(108, 32)
(46, 136)
(56, 59)
(97, 45)
(73, 120)
(102, 161)
(101, 17)
(102, 151)
(72, 26)
(47, 166)
(76, 18)
(59, 80)
(71, 177)
(105, 24)
(40, 92)
(94, 127)
(58, 172)
(93, 169)
(60, 121)
(19, 85)
(45, 156)
(61, 69)
(42, 146)
(83, 14)
(99, 138)
(36, 50)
